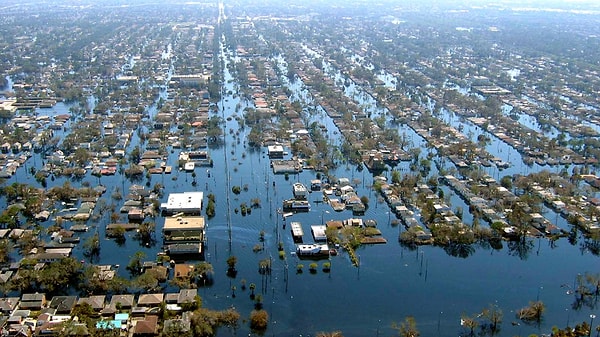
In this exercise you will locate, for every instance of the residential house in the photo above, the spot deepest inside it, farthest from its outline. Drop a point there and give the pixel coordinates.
(63, 304)
(184, 235)
(148, 327)
(187, 296)
(96, 302)
(150, 300)
(274, 151)
(125, 301)
(183, 270)
(8, 305)
(32, 301)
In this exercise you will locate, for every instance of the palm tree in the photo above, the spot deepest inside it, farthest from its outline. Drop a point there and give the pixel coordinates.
(231, 262)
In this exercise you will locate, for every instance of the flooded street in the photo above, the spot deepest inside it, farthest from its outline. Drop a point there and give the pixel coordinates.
(291, 90)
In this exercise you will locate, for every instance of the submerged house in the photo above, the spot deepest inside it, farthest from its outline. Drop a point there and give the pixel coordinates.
(184, 235)
(187, 203)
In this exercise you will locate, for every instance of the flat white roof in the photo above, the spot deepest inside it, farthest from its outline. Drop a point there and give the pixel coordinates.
(275, 148)
(184, 202)
(318, 232)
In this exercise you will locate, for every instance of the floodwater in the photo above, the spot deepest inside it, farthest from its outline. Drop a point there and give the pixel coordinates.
(392, 282)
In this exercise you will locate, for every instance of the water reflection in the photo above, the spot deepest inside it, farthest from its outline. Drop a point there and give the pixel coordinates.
(520, 248)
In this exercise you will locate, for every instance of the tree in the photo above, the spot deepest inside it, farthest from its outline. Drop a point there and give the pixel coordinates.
(135, 155)
(204, 322)
(231, 262)
(146, 282)
(210, 207)
(5, 250)
(81, 156)
(176, 328)
(470, 322)
(506, 182)
(60, 275)
(146, 232)
(202, 271)
(27, 242)
(71, 327)
(259, 320)
(118, 233)
(494, 315)
(135, 264)
(252, 287)
(396, 177)
(84, 312)
(330, 334)
(532, 313)
(91, 246)
(408, 328)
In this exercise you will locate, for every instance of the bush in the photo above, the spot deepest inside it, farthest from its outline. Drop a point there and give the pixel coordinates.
(259, 320)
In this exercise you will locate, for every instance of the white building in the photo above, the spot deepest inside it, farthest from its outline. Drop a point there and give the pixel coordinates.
(275, 151)
(318, 232)
(186, 202)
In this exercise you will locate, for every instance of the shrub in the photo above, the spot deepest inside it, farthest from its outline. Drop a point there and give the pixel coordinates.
(259, 320)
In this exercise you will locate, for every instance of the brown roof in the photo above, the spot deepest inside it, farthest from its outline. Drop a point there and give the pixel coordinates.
(125, 300)
(171, 297)
(96, 302)
(150, 299)
(146, 327)
(183, 270)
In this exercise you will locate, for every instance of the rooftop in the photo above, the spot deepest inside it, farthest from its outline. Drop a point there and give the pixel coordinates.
(186, 202)
(184, 223)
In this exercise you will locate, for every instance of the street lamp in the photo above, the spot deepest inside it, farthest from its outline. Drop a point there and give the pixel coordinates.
(592, 316)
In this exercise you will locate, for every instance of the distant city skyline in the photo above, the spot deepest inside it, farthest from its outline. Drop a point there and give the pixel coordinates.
(515, 4)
